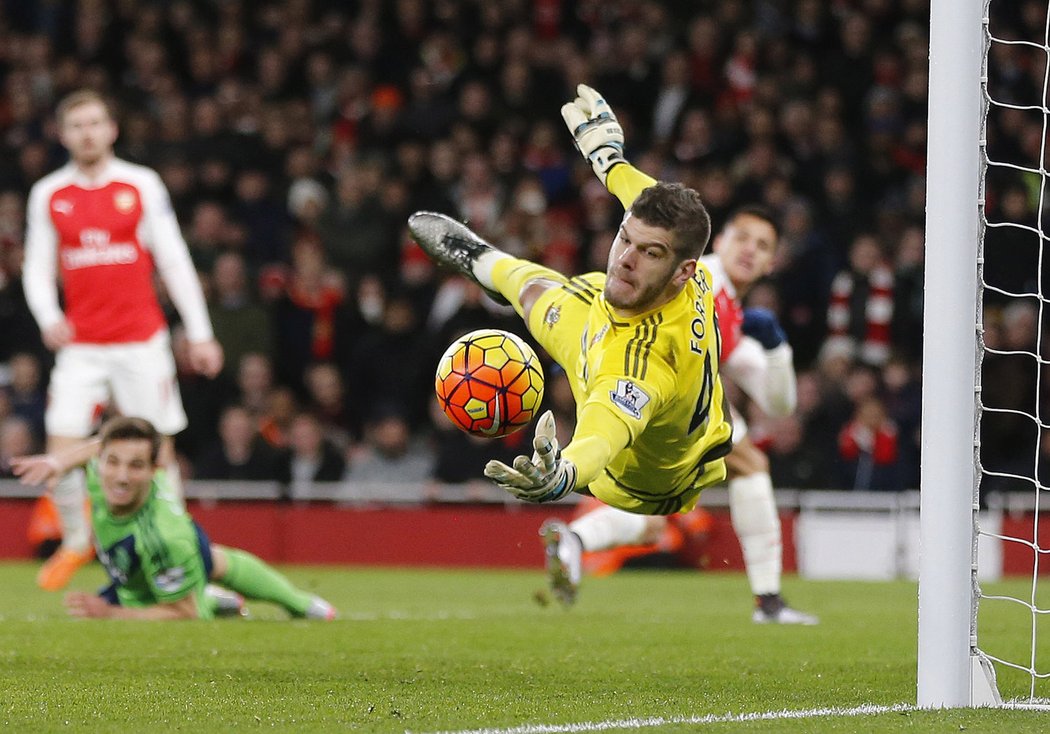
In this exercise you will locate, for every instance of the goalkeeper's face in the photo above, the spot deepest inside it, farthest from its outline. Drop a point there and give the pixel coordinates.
(88, 133)
(644, 270)
(126, 471)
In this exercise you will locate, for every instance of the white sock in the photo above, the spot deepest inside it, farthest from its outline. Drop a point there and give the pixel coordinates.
(608, 527)
(483, 267)
(757, 524)
(68, 496)
(175, 481)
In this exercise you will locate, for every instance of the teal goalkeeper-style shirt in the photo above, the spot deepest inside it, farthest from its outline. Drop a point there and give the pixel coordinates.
(153, 556)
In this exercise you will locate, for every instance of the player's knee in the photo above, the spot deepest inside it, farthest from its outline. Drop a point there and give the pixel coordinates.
(219, 564)
(759, 463)
(746, 459)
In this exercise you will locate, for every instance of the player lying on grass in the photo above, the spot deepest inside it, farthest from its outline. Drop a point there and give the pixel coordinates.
(755, 355)
(158, 559)
(639, 344)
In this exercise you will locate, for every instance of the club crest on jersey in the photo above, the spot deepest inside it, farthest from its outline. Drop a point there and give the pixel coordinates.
(629, 398)
(171, 579)
(551, 317)
(117, 561)
(124, 201)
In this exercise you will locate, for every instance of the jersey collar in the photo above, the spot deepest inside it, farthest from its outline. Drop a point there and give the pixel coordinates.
(105, 176)
(618, 321)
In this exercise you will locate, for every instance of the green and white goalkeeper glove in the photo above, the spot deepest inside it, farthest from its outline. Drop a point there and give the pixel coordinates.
(545, 477)
(594, 128)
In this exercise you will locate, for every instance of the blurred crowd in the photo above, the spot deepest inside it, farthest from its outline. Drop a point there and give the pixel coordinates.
(295, 137)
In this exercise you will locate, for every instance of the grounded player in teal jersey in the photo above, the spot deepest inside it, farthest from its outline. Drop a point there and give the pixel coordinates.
(158, 559)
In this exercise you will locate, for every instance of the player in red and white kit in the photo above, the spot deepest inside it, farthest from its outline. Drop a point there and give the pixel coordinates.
(755, 356)
(101, 225)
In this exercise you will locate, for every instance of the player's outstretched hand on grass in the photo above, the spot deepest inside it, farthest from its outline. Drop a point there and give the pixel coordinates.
(595, 130)
(83, 604)
(545, 477)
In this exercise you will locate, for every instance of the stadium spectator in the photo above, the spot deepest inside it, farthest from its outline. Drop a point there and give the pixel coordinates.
(159, 561)
(305, 312)
(276, 419)
(1011, 252)
(908, 290)
(868, 449)
(16, 439)
(389, 453)
(103, 224)
(354, 235)
(1010, 378)
(902, 395)
(210, 234)
(861, 307)
(329, 402)
(242, 324)
(266, 223)
(240, 453)
(460, 457)
(310, 457)
(18, 330)
(203, 399)
(25, 392)
(794, 462)
(254, 382)
(392, 354)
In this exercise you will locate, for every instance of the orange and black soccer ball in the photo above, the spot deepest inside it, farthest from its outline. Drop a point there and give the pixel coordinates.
(489, 383)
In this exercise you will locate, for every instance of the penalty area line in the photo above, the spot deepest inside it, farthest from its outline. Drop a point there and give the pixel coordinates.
(654, 721)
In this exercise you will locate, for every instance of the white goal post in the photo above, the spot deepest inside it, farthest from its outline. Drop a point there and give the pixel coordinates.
(950, 671)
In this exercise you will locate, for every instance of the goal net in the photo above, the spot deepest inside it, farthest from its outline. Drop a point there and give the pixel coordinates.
(985, 438)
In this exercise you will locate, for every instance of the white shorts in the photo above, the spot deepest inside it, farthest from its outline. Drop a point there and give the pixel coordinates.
(139, 377)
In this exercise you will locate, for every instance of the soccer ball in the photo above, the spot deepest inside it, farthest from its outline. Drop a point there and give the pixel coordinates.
(489, 383)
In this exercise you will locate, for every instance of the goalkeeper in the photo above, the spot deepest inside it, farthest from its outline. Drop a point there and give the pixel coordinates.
(158, 559)
(756, 357)
(639, 344)
(754, 353)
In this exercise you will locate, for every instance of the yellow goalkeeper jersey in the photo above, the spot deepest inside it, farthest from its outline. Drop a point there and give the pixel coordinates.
(657, 374)
(652, 424)
(652, 421)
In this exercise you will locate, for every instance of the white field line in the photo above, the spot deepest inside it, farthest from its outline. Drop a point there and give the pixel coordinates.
(655, 721)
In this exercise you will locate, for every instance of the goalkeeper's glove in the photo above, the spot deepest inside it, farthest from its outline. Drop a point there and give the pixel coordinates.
(545, 477)
(597, 134)
(761, 324)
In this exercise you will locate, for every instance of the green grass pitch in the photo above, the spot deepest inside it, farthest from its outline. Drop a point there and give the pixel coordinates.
(465, 650)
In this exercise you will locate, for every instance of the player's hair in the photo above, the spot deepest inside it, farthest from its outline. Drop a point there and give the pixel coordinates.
(758, 211)
(123, 428)
(81, 97)
(676, 208)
